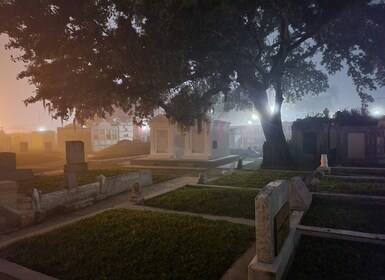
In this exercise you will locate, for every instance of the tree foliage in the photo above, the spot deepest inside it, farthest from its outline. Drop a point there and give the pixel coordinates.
(90, 56)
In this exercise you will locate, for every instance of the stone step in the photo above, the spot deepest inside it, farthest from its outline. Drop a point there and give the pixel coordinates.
(368, 171)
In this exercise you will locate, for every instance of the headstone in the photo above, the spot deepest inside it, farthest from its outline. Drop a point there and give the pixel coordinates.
(102, 181)
(36, 197)
(136, 193)
(275, 239)
(8, 169)
(324, 163)
(7, 163)
(202, 178)
(300, 197)
(75, 157)
(8, 194)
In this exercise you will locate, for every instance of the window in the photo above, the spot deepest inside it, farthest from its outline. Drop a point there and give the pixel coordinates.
(215, 144)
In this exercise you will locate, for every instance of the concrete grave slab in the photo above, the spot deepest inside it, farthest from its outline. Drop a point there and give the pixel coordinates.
(300, 197)
(275, 238)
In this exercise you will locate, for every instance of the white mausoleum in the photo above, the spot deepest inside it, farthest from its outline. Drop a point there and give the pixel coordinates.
(168, 141)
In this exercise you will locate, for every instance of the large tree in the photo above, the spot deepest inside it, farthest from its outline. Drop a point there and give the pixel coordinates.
(89, 56)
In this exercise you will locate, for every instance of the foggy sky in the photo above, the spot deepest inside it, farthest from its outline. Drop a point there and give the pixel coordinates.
(15, 117)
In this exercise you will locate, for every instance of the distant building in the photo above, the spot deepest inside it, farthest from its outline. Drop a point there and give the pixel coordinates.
(73, 132)
(100, 134)
(20, 142)
(358, 141)
(168, 141)
(104, 135)
(43, 141)
(125, 131)
(5, 141)
(245, 136)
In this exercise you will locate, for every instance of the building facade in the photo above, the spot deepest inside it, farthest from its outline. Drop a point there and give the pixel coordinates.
(252, 136)
(168, 141)
(5, 141)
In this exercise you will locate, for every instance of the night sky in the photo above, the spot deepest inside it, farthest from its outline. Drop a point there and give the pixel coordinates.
(15, 117)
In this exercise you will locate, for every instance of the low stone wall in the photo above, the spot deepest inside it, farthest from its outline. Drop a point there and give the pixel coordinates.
(51, 200)
(96, 191)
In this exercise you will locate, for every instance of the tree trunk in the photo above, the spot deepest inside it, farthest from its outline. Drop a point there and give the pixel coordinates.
(276, 152)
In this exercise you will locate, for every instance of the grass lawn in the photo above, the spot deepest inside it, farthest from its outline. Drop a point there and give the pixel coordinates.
(254, 179)
(321, 258)
(215, 201)
(126, 244)
(54, 183)
(346, 214)
(340, 186)
(37, 158)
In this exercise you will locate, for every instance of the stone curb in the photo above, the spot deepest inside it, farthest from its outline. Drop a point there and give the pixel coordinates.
(364, 237)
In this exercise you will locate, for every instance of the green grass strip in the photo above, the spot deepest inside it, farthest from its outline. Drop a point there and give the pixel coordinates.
(208, 200)
(321, 258)
(254, 179)
(346, 214)
(340, 186)
(126, 244)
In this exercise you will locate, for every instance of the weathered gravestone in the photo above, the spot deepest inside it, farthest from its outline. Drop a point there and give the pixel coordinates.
(274, 237)
(75, 157)
(202, 178)
(7, 164)
(324, 164)
(136, 193)
(8, 194)
(8, 169)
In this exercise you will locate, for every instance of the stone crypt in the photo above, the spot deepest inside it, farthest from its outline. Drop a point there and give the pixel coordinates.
(170, 145)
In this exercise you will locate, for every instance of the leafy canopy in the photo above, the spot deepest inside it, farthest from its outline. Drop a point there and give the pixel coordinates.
(90, 56)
